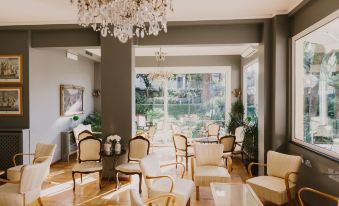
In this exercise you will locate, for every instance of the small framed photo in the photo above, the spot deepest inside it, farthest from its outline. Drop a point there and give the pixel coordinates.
(11, 101)
(11, 69)
(71, 100)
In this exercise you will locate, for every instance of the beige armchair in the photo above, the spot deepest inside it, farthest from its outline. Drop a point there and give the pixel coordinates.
(89, 158)
(213, 130)
(27, 189)
(229, 143)
(182, 148)
(137, 201)
(278, 186)
(322, 194)
(158, 183)
(138, 148)
(209, 166)
(42, 152)
(239, 138)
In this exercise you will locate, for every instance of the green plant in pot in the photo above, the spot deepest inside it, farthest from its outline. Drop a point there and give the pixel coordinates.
(251, 140)
(94, 120)
(235, 116)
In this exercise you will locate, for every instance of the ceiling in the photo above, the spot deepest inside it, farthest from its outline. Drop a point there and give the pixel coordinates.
(27, 12)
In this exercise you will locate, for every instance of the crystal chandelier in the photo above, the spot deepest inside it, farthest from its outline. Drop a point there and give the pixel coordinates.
(124, 18)
(162, 75)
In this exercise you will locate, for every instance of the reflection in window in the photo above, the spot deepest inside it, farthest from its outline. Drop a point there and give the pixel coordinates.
(250, 91)
(316, 88)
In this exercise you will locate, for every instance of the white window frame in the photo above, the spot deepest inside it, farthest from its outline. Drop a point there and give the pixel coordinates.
(298, 106)
(244, 83)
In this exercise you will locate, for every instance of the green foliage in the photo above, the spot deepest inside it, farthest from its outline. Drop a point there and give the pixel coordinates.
(153, 114)
(141, 100)
(94, 120)
(75, 118)
(307, 128)
(235, 117)
(251, 139)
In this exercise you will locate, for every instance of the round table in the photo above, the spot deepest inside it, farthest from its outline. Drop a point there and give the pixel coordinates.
(115, 156)
(207, 140)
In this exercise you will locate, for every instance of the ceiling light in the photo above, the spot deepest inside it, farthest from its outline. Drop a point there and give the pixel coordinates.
(124, 19)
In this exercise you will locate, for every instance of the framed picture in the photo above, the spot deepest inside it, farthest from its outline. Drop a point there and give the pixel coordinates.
(10, 69)
(11, 101)
(71, 100)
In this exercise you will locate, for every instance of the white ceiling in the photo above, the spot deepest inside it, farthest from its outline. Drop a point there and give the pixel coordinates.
(26, 12)
(193, 50)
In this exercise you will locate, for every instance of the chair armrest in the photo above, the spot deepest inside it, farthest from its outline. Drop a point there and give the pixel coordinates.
(41, 157)
(287, 184)
(175, 163)
(229, 164)
(9, 181)
(166, 195)
(254, 163)
(17, 155)
(328, 196)
(163, 176)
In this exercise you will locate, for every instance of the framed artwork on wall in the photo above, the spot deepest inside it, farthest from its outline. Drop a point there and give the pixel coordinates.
(11, 69)
(71, 100)
(11, 101)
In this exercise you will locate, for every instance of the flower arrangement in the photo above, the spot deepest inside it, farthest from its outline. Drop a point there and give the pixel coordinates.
(115, 137)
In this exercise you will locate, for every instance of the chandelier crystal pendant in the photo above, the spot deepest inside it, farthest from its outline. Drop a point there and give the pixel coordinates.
(124, 19)
(161, 75)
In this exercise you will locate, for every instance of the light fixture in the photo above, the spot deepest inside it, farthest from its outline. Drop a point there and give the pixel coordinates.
(163, 75)
(124, 18)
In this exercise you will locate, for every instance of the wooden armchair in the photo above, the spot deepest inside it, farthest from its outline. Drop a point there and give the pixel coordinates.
(278, 186)
(137, 201)
(325, 195)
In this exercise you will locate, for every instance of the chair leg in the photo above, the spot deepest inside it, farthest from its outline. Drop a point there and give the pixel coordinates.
(176, 160)
(116, 180)
(40, 201)
(140, 182)
(81, 177)
(100, 177)
(188, 202)
(186, 163)
(73, 181)
(197, 192)
(192, 167)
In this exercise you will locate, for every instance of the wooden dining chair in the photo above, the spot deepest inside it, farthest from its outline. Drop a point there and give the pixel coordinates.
(213, 130)
(229, 144)
(182, 148)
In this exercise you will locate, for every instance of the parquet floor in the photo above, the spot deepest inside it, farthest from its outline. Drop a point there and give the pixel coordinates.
(59, 191)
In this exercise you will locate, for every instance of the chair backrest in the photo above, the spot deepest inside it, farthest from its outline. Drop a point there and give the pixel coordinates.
(138, 148)
(135, 198)
(176, 129)
(84, 134)
(213, 129)
(89, 149)
(208, 154)
(150, 166)
(322, 194)
(180, 142)
(151, 132)
(80, 128)
(42, 151)
(279, 164)
(32, 178)
(239, 134)
(229, 143)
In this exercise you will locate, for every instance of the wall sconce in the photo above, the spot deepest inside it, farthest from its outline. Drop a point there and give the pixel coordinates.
(96, 93)
(236, 93)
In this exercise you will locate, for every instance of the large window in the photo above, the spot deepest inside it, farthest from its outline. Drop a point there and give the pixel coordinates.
(316, 88)
(250, 89)
(185, 103)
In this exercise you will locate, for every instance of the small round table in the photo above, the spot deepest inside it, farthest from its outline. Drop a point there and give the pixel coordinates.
(115, 157)
(207, 140)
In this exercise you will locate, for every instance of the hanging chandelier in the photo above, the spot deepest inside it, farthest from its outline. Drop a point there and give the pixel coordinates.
(124, 18)
(162, 75)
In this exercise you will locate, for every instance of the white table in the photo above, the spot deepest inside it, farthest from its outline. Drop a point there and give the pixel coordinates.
(230, 194)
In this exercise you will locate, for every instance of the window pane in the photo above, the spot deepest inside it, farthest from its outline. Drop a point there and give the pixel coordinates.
(317, 88)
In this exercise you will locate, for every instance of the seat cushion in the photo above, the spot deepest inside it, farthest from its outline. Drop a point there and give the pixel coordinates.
(14, 173)
(129, 168)
(204, 175)
(87, 167)
(182, 189)
(271, 189)
(227, 154)
(9, 195)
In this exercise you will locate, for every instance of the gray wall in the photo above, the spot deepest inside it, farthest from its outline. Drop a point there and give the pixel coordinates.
(48, 69)
(315, 176)
(17, 42)
(234, 61)
(97, 85)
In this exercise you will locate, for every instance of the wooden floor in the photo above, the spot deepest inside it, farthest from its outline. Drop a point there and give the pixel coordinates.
(59, 192)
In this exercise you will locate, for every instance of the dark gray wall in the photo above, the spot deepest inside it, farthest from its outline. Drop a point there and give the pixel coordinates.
(17, 42)
(97, 85)
(316, 176)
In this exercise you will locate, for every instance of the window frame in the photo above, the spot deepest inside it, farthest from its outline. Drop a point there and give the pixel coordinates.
(294, 71)
(244, 83)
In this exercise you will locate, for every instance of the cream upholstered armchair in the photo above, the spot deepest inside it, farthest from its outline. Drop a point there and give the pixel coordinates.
(27, 189)
(182, 148)
(89, 160)
(317, 192)
(137, 201)
(278, 186)
(239, 138)
(42, 152)
(213, 130)
(209, 165)
(138, 148)
(159, 183)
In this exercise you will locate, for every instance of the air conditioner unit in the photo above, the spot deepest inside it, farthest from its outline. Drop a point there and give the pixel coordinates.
(249, 52)
(72, 56)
